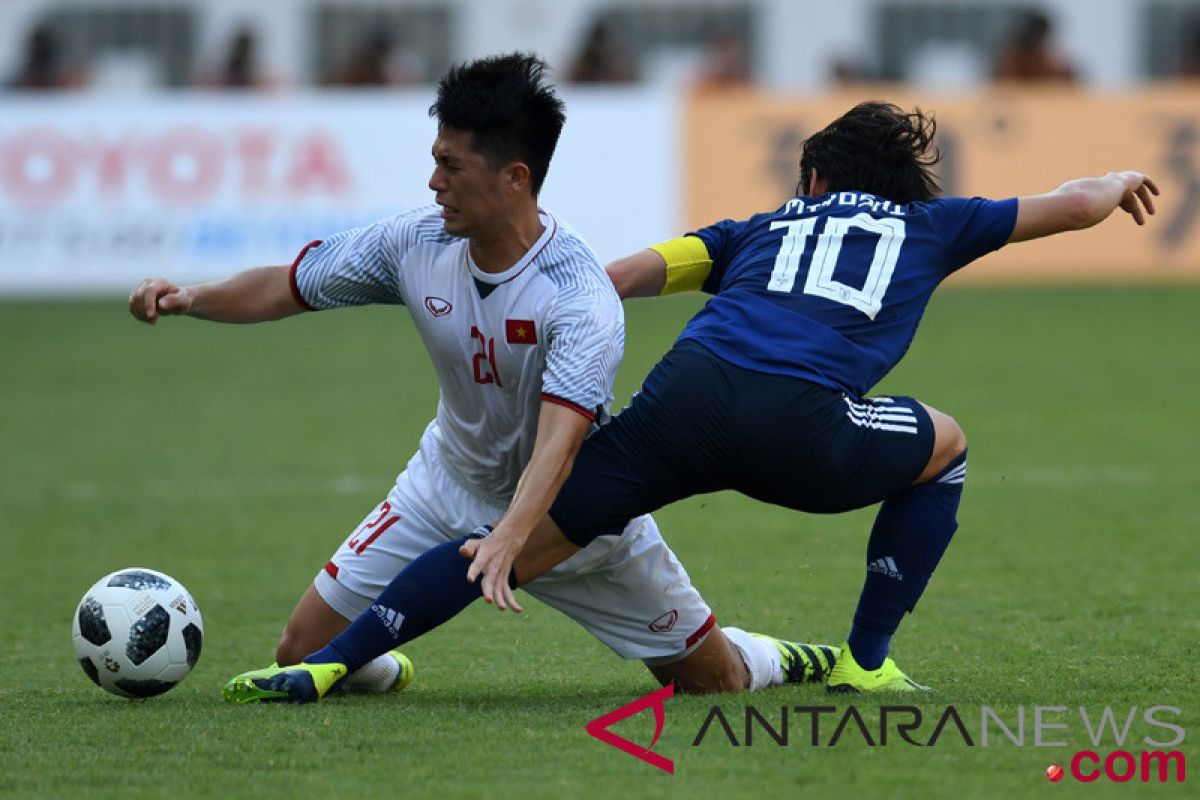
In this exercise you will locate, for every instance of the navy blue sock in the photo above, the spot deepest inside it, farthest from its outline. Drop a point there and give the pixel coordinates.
(912, 531)
(869, 647)
(426, 593)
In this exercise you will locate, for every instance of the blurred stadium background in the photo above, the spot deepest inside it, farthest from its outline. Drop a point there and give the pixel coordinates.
(190, 137)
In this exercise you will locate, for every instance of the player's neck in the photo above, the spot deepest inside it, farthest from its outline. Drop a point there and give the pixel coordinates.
(498, 248)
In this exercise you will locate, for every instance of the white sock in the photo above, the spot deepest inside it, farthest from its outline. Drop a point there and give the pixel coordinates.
(375, 677)
(760, 656)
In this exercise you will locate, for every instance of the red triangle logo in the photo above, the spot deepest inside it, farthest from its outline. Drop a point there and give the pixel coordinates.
(599, 728)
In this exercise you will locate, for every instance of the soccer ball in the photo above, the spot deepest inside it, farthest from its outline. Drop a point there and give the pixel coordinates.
(137, 632)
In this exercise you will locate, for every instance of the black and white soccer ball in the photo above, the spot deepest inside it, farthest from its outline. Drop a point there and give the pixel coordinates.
(137, 632)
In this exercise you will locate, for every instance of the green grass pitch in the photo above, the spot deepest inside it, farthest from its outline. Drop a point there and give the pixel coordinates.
(236, 459)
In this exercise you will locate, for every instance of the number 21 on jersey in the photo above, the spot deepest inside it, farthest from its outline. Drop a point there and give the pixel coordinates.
(484, 361)
(821, 281)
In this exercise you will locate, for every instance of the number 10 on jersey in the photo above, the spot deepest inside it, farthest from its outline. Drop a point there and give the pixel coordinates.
(820, 280)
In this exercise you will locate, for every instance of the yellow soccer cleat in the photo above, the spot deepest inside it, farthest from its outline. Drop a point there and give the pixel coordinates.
(849, 678)
(804, 663)
(406, 674)
(300, 683)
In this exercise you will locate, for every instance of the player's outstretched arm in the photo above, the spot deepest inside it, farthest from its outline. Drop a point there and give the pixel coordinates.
(254, 295)
(1083, 203)
(643, 274)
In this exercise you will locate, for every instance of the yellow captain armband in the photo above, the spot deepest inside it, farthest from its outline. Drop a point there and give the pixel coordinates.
(688, 263)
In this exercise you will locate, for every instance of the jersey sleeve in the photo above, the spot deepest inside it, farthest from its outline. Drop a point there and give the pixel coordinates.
(585, 338)
(352, 268)
(718, 241)
(972, 227)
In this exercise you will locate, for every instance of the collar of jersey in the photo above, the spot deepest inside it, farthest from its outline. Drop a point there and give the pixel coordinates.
(550, 228)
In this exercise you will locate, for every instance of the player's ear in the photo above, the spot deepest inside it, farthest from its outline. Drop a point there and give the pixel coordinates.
(516, 176)
(816, 184)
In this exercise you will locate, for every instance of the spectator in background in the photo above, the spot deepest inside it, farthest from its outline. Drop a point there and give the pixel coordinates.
(238, 67)
(1189, 52)
(42, 66)
(603, 58)
(1027, 54)
(240, 70)
(378, 60)
(726, 63)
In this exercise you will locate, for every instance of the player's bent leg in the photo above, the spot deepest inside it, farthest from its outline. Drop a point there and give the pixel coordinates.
(395, 576)
(732, 660)
(912, 531)
(949, 442)
(713, 666)
(313, 625)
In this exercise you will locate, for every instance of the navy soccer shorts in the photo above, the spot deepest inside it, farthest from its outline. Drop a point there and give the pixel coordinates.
(701, 424)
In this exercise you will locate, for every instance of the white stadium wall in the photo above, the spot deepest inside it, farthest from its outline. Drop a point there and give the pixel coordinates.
(98, 192)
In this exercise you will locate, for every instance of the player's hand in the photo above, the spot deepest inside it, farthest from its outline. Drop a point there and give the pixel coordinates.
(492, 560)
(154, 297)
(1138, 191)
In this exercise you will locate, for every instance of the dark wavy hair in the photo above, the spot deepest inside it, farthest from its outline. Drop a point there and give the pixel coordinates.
(877, 148)
(510, 108)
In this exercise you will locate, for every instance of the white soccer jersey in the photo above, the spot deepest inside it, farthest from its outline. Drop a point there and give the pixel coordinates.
(549, 328)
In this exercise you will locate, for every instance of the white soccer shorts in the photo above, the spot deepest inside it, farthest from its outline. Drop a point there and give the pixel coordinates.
(628, 591)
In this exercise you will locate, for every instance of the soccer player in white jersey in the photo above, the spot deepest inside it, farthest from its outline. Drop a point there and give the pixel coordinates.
(525, 331)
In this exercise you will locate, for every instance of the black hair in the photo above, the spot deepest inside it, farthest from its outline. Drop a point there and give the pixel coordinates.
(510, 108)
(877, 148)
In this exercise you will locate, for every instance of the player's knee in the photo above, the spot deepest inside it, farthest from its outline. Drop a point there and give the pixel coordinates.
(956, 439)
(949, 443)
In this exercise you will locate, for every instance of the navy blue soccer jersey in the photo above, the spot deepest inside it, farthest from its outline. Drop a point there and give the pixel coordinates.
(832, 288)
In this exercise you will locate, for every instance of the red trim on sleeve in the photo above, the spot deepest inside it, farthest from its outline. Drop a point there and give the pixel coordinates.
(562, 401)
(702, 631)
(332, 569)
(292, 275)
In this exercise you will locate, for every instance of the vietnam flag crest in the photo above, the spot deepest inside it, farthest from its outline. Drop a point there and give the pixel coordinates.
(520, 331)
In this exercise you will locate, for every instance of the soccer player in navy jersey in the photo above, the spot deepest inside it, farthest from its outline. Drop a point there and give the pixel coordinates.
(765, 392)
